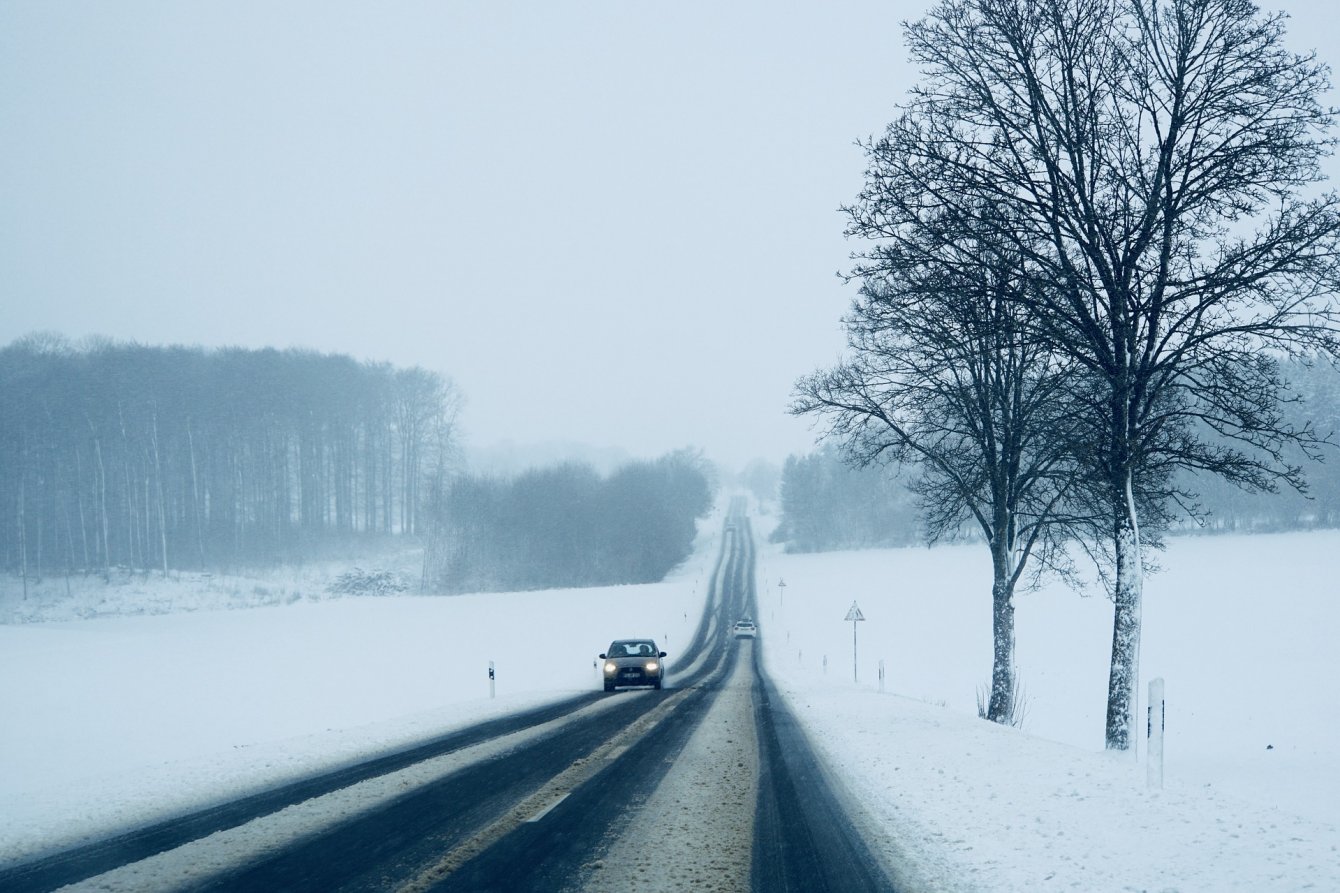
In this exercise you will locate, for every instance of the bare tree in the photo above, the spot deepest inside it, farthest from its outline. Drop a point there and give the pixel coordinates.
(1155, 160)
(425, 406)
(943, 375)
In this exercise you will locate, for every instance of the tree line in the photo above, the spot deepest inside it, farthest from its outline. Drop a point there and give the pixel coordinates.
(1094, 236)
(158, 458)
(828, 503)
(1217, 505)
(567, 526)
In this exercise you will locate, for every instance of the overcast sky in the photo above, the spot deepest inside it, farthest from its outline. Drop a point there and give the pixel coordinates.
(613, 223)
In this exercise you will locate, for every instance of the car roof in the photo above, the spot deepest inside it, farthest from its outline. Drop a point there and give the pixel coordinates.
(633, 641)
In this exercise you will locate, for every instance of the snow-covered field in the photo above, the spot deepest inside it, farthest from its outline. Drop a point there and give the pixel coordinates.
(111, 720)
(1243, 631)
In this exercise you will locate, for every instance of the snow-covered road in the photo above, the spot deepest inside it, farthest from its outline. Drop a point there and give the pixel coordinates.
(697, 827)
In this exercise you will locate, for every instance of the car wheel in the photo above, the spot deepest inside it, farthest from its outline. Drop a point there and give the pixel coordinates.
(657, 685)
(609, 686)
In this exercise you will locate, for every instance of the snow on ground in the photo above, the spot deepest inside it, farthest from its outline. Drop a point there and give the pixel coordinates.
(1242, 629)
(113, 720)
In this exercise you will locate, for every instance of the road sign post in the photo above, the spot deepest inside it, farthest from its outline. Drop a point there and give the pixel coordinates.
(854, 615)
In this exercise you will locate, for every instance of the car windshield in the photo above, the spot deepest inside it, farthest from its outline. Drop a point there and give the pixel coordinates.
(632, 649)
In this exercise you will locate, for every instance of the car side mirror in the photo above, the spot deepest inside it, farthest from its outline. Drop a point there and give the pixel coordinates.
(602, 655)
(662, 654)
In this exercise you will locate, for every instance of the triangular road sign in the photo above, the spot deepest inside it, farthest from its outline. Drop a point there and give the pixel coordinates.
(854, 613)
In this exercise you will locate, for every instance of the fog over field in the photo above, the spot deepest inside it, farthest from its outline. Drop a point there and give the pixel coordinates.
(614, 226)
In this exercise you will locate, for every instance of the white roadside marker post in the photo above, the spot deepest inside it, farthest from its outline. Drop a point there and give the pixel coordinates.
(881, 676)
(1154, 727)
(492, 683)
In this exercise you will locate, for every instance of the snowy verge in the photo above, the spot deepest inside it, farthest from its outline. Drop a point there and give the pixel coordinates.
(963, 805)
(970, 806)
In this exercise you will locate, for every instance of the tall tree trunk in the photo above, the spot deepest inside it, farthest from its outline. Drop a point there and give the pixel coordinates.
(388, 486)
(23, 529)
(404, 478)
(162, 508)
(1126, 596)
(1000, 707)
(195, 496)
(369, 479)
(239, 505)
(41, 522)
(69, 543)
(412, 484)
(79, 502)
(147, 533)
(102, 511)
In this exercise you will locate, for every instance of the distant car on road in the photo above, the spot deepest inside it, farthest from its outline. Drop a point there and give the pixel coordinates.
(745, 629)
(633, 662)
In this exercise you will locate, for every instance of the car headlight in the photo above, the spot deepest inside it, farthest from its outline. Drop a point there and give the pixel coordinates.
(652, 666)
(611, 666)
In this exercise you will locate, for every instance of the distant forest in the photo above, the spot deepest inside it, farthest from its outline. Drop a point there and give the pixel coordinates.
(827, 504)
(179, 457)
(567, 526)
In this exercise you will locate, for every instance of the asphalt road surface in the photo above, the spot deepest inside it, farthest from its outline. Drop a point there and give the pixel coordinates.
(706, 785)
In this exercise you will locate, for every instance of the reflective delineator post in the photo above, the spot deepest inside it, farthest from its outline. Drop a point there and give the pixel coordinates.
(1155, 721)
(881, 676)
(492, 683)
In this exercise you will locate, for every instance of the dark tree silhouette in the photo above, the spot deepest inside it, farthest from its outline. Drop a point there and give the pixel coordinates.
(566, 526)
(828, 503)
(945, 376)
(1154, 161)
(159, 458)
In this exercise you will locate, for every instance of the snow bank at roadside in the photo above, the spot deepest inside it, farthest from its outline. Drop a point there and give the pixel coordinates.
(966, 805)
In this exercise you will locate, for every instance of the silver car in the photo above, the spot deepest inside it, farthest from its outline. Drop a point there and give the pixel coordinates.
(633, 662)
(745, 629)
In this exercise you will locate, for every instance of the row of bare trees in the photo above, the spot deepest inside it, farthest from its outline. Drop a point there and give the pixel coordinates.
(566, 525)
(1095, 232)
(122, 455)
(828, 504)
